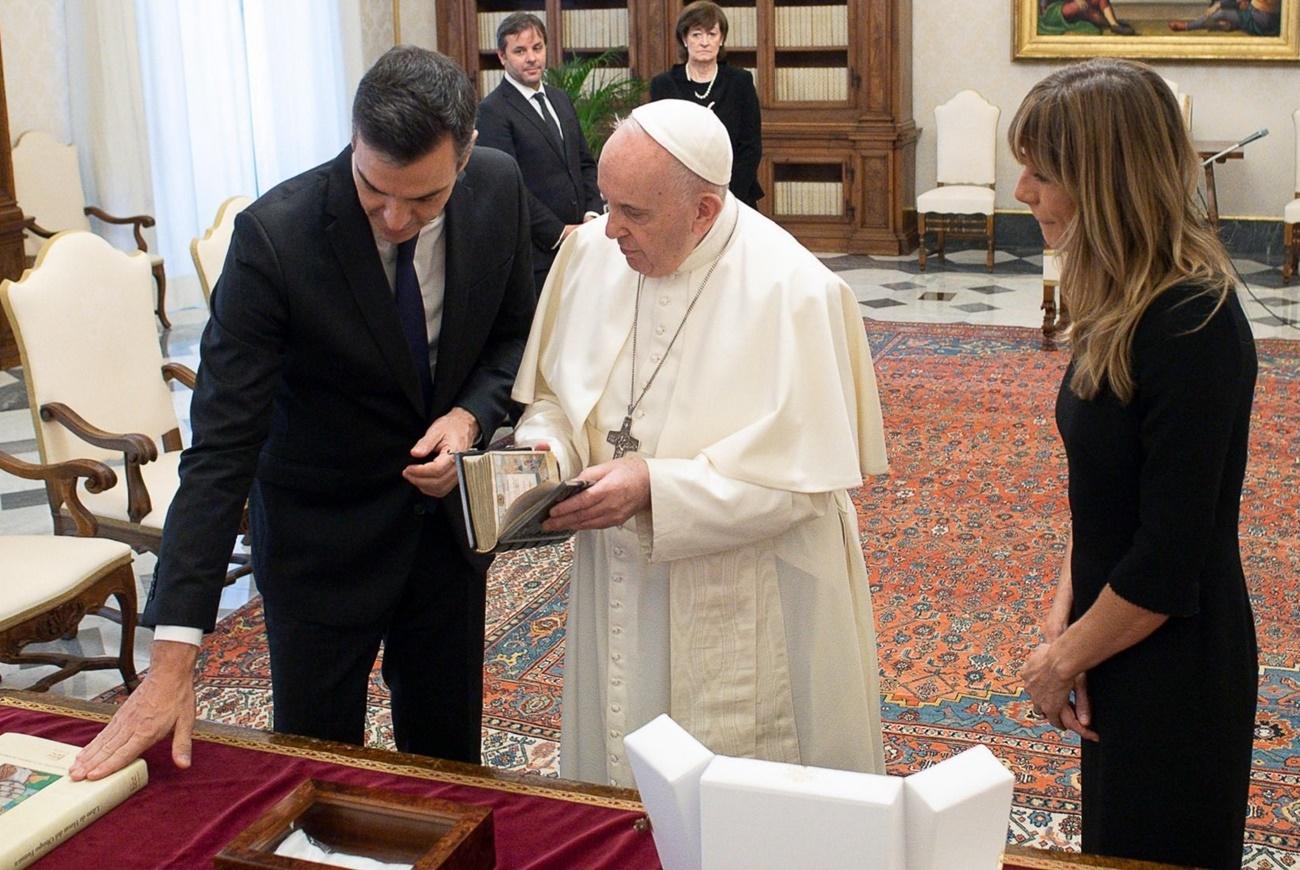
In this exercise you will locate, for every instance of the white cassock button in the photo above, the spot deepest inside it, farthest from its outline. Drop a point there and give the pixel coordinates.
(618, 551)
(654, 357)
(663, 300)
(659, 330)
(616, 630)
(618, 657)
(613, 782)
(616, 604)
(640, 415)
(616, 682)
(615, 733)
(615, 708)
(618, 578)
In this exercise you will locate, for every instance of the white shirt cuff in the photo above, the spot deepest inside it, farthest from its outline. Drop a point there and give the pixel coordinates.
(179, 634)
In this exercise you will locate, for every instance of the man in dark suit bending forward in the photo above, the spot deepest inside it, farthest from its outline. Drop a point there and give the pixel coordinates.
(367, 325)
(538, 126)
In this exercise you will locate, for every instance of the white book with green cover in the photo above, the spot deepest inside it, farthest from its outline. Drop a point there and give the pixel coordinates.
(40, 806)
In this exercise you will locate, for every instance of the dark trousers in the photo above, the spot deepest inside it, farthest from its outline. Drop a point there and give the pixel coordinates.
(433, 661)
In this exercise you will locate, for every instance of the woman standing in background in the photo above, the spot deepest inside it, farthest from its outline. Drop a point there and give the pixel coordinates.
(1150, 644)
(704, 77)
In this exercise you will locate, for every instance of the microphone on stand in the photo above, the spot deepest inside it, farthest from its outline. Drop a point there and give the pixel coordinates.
(1258, 134)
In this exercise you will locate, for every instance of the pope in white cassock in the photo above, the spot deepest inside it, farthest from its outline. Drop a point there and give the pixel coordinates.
(713, 381)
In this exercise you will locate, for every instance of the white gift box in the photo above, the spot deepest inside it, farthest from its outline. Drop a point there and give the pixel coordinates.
(667, 763)
(764, 814)
(957, 813)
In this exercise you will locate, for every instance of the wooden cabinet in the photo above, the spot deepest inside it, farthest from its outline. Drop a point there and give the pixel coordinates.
(834, 79)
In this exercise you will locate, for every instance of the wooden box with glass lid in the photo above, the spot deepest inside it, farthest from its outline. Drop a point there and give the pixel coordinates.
(834, 81)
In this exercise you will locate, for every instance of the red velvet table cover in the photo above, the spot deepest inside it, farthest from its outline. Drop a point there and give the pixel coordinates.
(184, 818)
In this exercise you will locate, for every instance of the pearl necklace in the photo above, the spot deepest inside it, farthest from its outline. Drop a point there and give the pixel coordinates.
(708, 90)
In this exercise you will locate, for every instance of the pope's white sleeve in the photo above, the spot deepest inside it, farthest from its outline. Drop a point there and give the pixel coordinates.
(544, 420)
(695, 510)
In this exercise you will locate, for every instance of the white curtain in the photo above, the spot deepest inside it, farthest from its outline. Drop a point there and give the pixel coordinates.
(238, 96)
(106, 104)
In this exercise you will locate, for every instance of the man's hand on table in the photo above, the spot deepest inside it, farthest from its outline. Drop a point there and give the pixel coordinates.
(163, 703)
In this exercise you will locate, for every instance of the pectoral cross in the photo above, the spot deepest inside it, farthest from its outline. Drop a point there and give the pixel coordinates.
(622, 439)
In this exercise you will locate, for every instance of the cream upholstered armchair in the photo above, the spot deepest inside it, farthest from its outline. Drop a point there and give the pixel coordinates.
(47, 185)
(1291, 213)
(1184, 103)
(209, 252)
(962, 205)
(97, 383)
(49, 584)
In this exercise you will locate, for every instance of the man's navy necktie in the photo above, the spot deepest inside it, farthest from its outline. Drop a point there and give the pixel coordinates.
(410, 311)
(549, 118)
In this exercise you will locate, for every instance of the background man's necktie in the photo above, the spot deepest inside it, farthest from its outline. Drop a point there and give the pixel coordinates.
(549, 118)
(410, 311)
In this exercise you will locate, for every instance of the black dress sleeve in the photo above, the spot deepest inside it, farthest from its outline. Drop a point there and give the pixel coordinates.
(662, 87)
(747, 143)
(1191, 375)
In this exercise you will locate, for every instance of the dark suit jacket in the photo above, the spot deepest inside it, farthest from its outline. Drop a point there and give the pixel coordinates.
(561, 183)
(307, 393)
(735, 102)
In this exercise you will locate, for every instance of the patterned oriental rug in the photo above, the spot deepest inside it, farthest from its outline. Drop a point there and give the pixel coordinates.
(963, 541)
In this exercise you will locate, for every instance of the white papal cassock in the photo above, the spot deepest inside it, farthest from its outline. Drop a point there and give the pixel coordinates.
(738, 602)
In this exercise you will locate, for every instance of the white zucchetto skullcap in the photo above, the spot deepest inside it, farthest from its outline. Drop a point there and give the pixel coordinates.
(692, 134)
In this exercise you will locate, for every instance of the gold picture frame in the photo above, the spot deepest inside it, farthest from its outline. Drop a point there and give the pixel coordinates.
(1219, 31)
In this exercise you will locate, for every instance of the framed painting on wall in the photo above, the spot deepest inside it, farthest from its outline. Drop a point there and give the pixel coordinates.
(1228, 30)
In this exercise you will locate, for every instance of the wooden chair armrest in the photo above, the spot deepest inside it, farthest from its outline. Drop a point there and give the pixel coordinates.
(135, 447)
(62, 478)
(29, 223)
(99, 476)
(141, 221)
(136, 450)
(179, 372)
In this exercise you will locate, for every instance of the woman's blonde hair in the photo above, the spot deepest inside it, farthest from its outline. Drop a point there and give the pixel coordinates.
(1111, 134)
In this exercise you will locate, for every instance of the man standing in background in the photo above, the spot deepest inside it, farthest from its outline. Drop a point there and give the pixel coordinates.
(539, 128)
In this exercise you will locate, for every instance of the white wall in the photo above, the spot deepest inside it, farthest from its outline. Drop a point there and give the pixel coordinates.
(34, 41)
(969, 46)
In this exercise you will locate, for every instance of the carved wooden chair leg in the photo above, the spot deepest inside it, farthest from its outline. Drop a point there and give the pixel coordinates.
(988, 230)
(160, 277)
(124, 578)
(920, 232)
(1049, 313)
(940, 240)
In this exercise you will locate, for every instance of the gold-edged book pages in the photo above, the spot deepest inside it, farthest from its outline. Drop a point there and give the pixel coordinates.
(40, 806)
(507, 494)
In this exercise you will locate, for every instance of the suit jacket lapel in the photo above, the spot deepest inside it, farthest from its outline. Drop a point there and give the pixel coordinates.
(521, 105)
(458, 240)
(569, 122)
(353, 242)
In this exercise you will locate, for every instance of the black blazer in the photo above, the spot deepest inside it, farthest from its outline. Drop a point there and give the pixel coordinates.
(735, 102)
(561, 182)
(307, 394)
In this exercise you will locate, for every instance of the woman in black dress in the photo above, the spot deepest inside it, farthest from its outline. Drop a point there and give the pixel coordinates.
(1150, 644)
(704, 77)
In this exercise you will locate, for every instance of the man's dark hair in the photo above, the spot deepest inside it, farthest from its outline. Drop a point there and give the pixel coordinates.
(409, 100)
(518, 22)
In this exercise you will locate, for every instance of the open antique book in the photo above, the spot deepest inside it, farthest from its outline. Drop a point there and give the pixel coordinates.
(40, 807)
(506, 494)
